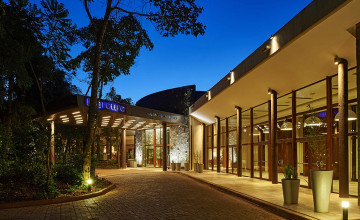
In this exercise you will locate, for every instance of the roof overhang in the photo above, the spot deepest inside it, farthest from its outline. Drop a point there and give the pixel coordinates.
(74, 111)
(300, 53)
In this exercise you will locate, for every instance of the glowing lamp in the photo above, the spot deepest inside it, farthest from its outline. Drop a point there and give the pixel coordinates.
(345, 206)
(89, 181)
(351, 116)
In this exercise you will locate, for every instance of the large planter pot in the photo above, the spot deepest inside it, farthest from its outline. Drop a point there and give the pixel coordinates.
(195, 167)
(186, 166)
(172, 166)
(200, 167)
(321, 187)
(133, 163)
(178, 166)
(290, 189)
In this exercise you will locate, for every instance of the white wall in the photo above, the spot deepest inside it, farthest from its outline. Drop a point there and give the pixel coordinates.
(197, 140)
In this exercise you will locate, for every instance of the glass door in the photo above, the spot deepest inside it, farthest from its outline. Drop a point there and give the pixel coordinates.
(149, 157)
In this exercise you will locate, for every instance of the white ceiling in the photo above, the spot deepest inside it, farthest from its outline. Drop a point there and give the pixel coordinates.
(305, 60)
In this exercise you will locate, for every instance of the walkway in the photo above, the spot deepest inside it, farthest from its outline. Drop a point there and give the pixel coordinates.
(148, 194)
(269, 192)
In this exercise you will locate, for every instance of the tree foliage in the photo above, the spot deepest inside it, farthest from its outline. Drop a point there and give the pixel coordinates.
(170, 17)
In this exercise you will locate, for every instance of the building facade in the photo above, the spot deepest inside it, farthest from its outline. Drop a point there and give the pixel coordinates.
(262, 115)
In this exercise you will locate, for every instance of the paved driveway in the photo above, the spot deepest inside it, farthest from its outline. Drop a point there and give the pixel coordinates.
(148, 195)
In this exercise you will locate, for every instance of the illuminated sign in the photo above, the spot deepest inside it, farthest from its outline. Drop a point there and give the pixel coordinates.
(156, 115)
(111, 106)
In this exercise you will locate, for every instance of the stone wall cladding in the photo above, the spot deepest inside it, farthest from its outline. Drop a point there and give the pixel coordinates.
(179, 144)
(139, 147)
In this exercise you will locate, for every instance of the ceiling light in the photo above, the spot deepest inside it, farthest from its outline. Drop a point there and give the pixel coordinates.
(286, 126)
(74, 113)
(49, 119)
(351, 116)
(312, 121)
(63, 116)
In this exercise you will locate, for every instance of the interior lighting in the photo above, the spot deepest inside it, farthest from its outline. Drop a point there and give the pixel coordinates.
(286, 126)
(74, 113)
(270, 91)
(312, 121)
(63, 116)
(345, 206)
(338, 60)
(49, 119)
(351, 116)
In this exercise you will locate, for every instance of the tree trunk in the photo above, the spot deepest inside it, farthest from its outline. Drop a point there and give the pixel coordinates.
(93, 107)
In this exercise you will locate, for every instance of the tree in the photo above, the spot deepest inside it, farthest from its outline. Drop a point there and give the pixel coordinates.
(170, 17)
(112, 96)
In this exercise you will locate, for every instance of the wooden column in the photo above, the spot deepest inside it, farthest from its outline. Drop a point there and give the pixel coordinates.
(204, 145)
(329, 122)
(252, 143)
(293, 131)
(270, 147)
(164, 162)
(239, 140)
(212, 146)
(123, 148)
(227, 145)
(191, 147)
(218, 144)
(358, 101)
(343, 129)
(273, 127)
(52, 143)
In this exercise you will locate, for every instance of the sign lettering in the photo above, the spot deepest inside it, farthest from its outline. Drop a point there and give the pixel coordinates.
(111, 106)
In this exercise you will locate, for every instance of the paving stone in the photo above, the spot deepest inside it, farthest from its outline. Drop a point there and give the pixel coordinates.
(148, 195)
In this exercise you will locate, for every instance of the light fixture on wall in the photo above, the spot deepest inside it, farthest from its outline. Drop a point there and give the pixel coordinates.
(351, 116)
(266, 130)
(312, 121)
(286, 126)
(338, 60)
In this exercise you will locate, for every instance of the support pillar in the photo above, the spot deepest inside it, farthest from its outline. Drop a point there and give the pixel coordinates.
(252, 143)
(293, 131)
(343, 128)
(274, 160)
(204, 145)
(217, 144)
(212, 146)
(164, 160)
(123, 148)
(227, 145)
(52, 143)
(238, 140)
(329, 122)
(358, 101)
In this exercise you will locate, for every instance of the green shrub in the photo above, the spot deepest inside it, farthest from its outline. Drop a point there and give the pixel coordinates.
(68, 173)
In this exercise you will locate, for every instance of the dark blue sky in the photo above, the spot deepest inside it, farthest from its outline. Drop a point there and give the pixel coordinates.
(235, 28)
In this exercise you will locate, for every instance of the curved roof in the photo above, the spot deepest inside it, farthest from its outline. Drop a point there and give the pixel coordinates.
(175, 100)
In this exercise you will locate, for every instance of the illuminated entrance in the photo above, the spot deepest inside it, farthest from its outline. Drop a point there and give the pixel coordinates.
(154, 147)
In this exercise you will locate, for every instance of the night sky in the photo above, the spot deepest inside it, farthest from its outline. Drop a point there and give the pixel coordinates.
(235, 28)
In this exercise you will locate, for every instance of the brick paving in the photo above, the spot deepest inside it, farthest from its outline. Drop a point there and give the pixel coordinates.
(148, 195)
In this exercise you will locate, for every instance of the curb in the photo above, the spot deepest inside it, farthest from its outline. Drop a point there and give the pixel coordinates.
(273, 208)
(57, 200)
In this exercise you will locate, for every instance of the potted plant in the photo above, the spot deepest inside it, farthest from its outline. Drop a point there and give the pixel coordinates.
(178, 164)
(320, 178)
(196, 162)
(290, 185)
(172, 166)
(200, 166)
(186, 164)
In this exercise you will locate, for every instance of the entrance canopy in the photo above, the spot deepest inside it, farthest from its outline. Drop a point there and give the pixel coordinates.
(74, 110)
